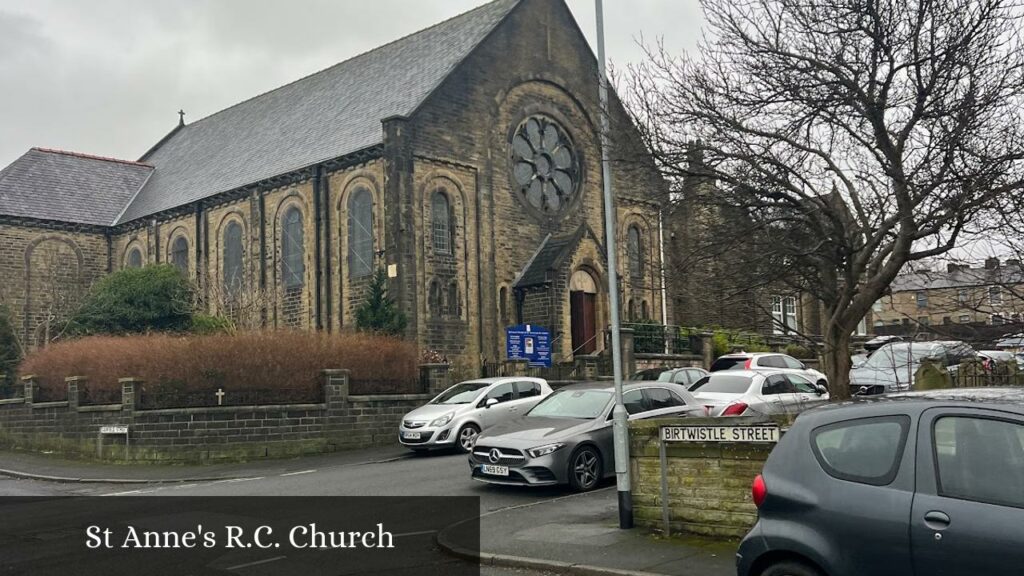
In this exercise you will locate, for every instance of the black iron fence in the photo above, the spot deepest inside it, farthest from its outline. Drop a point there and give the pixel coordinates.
(651, 338)
(560, 371)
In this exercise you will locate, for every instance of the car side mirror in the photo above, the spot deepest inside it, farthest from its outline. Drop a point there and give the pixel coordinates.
(490, 402)
(821, 390)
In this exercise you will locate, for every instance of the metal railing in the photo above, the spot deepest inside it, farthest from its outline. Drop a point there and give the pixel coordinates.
(649, 338)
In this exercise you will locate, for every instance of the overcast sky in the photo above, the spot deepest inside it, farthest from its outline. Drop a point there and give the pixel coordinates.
(108, 76)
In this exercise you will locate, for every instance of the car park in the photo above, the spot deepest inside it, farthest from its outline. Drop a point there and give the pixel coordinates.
(754, 361)
(455, 417)
(912, 484)
(686, 375)
(893, 367)
(567, 438)
(764, 391)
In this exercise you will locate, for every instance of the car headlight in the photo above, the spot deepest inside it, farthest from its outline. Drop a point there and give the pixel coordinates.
(443, 419)
(544, 450)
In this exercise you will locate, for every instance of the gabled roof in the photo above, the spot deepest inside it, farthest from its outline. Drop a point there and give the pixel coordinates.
(549, 257)
(69, 187)
(1011, 274)
(329, 114)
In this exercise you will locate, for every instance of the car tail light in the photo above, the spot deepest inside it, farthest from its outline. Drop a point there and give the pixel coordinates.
(734, 409)
(759, 491)
(746, 365)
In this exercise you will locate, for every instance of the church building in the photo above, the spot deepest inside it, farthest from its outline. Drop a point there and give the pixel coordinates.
(464, 160)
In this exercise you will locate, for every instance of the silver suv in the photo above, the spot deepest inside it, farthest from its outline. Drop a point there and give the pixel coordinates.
(456, 416)
(893, 367)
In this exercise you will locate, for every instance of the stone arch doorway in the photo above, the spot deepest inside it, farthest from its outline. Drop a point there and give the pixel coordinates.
(583, 312)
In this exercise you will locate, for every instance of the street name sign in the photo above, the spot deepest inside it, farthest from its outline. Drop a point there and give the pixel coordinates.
(720, 433)
(113, 430)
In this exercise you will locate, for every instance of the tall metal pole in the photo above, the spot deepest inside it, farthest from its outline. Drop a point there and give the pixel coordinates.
(620, 422)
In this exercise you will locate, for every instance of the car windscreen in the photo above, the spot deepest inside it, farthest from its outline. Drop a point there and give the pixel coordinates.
(666, 376)
(723, 383)
(582, 404)
(463, 393)
(729, 363)
(898, 356)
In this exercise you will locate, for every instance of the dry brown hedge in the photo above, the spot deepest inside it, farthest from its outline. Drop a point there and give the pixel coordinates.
(253, 360)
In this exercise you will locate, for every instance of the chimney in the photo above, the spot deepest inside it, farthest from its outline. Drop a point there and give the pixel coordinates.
(952, 268)
(1013, 262)
(991, 263)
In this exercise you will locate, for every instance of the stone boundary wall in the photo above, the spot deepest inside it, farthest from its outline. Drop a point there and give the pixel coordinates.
(219, 433)
(709, 483)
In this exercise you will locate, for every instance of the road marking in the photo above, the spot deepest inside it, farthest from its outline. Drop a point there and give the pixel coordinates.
(256, 563)
(300, 472)
(233, 480)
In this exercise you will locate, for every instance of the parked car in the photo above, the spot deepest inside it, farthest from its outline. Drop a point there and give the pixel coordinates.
(989, 358)
(456, 416)
(917, 483)
(686, 375)
(567, 438)
(892, 367)
(739, 392)
(858, 360)
(879, 341)
(745, 361)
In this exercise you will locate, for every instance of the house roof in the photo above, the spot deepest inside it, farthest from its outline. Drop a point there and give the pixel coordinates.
(962, 277)
(549, 256)
(69, 187)
(329, 114)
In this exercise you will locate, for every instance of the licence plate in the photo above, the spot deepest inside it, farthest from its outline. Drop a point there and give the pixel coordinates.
(411, 435)
(494, 470)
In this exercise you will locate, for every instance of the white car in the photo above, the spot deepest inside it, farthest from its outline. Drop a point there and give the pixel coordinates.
(758, 360)
(763, 391)
(456, 416)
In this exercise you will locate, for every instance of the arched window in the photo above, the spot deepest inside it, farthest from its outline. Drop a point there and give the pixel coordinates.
(179, 254)
(453, 300)
(434, 299)
(644, 312)
(234, 279)
(440, 210)
(293, 249)
(135, 258)
(360, 233)
(503, 305)
(634, 253)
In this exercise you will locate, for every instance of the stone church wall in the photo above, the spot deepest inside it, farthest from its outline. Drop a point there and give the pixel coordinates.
(47, 270)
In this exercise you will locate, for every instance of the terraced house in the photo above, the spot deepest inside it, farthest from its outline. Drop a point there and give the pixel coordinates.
(463, 159)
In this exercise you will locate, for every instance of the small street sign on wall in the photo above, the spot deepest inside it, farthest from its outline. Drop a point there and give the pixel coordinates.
(720, 433)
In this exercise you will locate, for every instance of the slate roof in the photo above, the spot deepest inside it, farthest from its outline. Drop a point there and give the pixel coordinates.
(960, 278)
(329, 114)
(69, 187)
(548, 258)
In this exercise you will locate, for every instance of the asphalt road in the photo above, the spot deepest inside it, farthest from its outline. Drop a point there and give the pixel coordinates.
(383, 472)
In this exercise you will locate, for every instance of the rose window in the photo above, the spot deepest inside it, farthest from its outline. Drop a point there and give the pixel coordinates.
(544, 164)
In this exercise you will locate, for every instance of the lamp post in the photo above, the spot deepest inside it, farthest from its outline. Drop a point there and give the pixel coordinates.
(620, 422)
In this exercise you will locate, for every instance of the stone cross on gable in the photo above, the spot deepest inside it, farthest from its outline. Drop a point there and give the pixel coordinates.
(181, 117)
(220, 396)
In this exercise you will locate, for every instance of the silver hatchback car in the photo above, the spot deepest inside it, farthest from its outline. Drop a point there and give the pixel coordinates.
(456, 416)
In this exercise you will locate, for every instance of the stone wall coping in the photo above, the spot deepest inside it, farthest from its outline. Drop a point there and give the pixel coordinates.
(129, 380)
(15, 401)
(101, 408)
(434, 365)
(335, 371)
(57, 404)
(651, 355)
(240, 408)
(382, 397)
(28, 377)
(70, 379)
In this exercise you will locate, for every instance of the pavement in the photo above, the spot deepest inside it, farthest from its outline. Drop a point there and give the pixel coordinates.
(522, 531)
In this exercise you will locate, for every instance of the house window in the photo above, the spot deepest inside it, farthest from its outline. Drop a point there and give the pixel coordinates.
(922, 299)
(995, 296)
(879, 323)
(234, 280)
(434, 299)
(862, 327)
(441, 223)
(360, 233)
(962, 297)
(135, 258)
(947, 320)
(877, 306)
(964, 318)
(634, 253)
(293, 251)
(784, 314)
(998, 319)
(454, 309)
(922, 320)
(179, 254)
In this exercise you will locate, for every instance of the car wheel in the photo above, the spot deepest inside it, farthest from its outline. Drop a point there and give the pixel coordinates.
(790, 568)
(467, 437)
(585, 469)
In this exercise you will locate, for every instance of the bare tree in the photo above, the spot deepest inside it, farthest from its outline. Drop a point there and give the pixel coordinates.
(855, 135)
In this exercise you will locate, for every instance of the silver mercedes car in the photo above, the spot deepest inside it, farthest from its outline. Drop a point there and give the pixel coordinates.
(567, 437)
(456, 416)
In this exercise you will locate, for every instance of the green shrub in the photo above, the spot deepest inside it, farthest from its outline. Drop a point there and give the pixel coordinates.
(10, 350)
(725, 341)
(205, 324)
(801, 352)
(379, 313)
(137, 300)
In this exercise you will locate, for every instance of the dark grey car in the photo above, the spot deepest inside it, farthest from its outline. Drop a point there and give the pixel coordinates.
(567, 437)
(926, 483)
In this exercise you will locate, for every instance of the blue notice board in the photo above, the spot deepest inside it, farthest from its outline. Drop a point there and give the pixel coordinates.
(530, 343)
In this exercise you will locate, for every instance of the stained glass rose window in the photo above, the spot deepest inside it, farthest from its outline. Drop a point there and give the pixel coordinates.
(544, 164)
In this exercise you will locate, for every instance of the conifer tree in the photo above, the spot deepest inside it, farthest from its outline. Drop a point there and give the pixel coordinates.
(380, 313)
